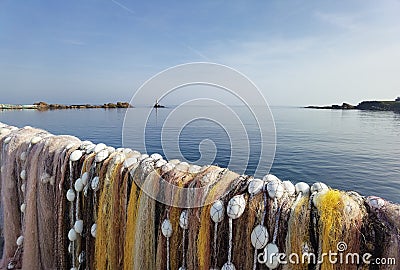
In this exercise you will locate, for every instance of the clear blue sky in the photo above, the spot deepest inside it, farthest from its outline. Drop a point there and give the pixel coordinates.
(297, 52)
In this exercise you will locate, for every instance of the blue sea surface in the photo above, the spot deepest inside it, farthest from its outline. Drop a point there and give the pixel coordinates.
(349, 150)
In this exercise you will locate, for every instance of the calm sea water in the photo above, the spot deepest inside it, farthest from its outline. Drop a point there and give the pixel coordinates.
(350, 150)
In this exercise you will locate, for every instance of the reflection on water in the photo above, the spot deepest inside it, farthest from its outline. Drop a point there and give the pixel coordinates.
(352, 150)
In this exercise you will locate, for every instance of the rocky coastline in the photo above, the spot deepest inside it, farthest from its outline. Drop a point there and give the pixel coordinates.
(364, 105)
(43, 106)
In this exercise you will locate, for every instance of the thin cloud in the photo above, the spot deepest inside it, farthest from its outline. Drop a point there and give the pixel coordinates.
(260, 52)
(198, 52)
(124, 7)
(345, 21)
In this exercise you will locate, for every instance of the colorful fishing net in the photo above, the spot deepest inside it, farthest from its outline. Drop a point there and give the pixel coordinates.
(71, 204)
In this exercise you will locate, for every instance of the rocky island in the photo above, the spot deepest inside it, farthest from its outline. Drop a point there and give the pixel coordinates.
(43, 106)
(365, 105)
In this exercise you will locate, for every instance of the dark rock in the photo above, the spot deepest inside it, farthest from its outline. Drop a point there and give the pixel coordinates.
(379, 106)
(347, 106)
(123, 105)
(344, 106)
(110, 105)
(41, 105)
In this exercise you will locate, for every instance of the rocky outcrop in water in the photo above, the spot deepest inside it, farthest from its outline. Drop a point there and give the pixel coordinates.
(379, 106)
(364, 105)
(344, 106)
(43, 106)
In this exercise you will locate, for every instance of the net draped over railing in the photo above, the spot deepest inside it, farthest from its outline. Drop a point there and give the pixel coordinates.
(71, 204)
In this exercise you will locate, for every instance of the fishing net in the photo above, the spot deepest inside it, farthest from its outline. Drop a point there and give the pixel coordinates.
(71, 204)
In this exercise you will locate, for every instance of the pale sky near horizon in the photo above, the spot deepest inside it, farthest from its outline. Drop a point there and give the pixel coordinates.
(296, 52)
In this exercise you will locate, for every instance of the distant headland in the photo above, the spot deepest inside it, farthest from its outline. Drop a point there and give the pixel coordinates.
(43, 106)
(365, 105)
